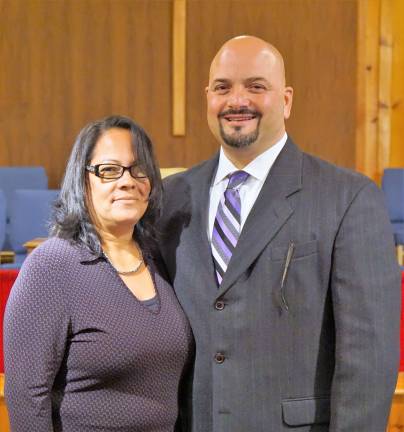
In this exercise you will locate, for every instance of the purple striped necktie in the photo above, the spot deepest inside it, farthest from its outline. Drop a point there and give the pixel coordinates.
(227, 227)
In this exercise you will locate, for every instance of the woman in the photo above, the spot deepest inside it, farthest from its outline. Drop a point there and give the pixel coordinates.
(94, 337)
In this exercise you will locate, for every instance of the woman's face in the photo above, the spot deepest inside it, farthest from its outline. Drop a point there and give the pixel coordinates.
(116, 205)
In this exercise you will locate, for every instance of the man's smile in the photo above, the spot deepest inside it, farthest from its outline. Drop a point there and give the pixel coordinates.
(239, 117)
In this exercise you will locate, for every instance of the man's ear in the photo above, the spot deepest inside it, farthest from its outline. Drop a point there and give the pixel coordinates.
(288, 97)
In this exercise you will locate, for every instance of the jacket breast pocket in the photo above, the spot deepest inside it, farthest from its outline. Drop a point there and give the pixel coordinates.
(306, 411)
(296, 278)
(300, 250)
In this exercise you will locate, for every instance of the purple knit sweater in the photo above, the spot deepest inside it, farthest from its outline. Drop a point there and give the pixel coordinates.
(82, 354)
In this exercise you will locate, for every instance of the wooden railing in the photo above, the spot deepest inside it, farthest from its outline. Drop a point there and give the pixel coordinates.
(396, 420)
(4, 427)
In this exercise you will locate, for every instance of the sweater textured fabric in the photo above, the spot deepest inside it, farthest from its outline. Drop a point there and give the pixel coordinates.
(83, 354)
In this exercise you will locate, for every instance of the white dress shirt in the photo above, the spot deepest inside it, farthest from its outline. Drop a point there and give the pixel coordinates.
(257, 169)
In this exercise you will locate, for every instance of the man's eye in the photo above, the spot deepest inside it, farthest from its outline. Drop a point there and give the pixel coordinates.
(220, 88)
(257, 87)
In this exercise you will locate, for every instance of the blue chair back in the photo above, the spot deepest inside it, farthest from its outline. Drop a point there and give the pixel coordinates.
(393, 188)
(20, 177)
(30, 212)
(12, 178)
(2, 218)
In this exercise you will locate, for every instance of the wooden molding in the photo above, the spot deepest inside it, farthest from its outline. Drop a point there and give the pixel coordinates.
(385, 80)
(179, 68)
(368, 87)
(165, 172)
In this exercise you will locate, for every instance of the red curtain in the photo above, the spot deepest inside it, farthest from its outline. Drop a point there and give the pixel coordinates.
(402, 324)
(7, 278)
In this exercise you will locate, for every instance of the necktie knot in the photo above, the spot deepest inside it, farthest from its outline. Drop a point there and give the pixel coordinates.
(236, 179)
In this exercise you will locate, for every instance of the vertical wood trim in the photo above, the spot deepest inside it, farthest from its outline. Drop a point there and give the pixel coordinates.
(397, 87)
(385, 79)
(368, 87)
(179, 67)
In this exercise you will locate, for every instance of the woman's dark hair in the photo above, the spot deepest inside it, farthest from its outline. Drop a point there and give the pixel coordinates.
(71, 217)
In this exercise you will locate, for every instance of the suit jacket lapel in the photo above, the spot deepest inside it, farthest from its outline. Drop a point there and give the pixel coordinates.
(269, 213)
(200, 187)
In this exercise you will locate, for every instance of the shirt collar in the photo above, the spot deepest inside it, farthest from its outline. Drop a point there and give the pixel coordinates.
(257, 168)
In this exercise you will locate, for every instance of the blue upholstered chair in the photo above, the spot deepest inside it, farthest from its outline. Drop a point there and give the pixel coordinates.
(393, 188)
(30, 212)
(13, 178)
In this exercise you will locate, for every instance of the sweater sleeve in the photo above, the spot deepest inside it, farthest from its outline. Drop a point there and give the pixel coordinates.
(35, 333)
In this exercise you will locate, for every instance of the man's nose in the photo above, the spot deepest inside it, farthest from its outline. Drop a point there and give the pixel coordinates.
(238, 98)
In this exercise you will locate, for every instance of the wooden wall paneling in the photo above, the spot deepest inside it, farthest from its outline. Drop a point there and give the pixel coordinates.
(49, 117)
(72, 62)
(367, 87)
(15, 88)
(34, 133)
(136, 80)
(124, 66)
(69, 62)
(397, 97)
(380, 120)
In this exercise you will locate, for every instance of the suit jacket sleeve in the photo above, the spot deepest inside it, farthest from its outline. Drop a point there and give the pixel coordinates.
(365, 284)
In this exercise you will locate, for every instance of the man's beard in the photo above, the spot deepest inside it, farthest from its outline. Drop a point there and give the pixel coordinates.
(236, 139)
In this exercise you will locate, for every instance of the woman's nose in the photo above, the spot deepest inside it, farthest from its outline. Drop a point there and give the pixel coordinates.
(126, 179)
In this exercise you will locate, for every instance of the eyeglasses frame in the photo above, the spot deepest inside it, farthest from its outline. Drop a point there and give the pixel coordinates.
(95, 169)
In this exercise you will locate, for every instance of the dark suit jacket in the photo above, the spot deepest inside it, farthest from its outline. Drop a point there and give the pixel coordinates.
(325, 357)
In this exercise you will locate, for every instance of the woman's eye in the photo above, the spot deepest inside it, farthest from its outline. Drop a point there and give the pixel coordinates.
(109, 169)
(138, 171)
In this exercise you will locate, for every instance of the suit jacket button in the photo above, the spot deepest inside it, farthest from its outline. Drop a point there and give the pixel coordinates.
(219, 358)
(219, 305)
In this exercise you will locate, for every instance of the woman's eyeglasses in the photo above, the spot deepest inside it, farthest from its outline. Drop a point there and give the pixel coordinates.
(115, 171)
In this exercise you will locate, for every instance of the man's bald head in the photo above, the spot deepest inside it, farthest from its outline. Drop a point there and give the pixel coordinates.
(248, 101)
(250, 46)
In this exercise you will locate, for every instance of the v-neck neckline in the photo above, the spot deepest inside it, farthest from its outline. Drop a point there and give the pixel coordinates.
(148, 262)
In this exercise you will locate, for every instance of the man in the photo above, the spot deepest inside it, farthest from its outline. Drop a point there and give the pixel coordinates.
(285, 267)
